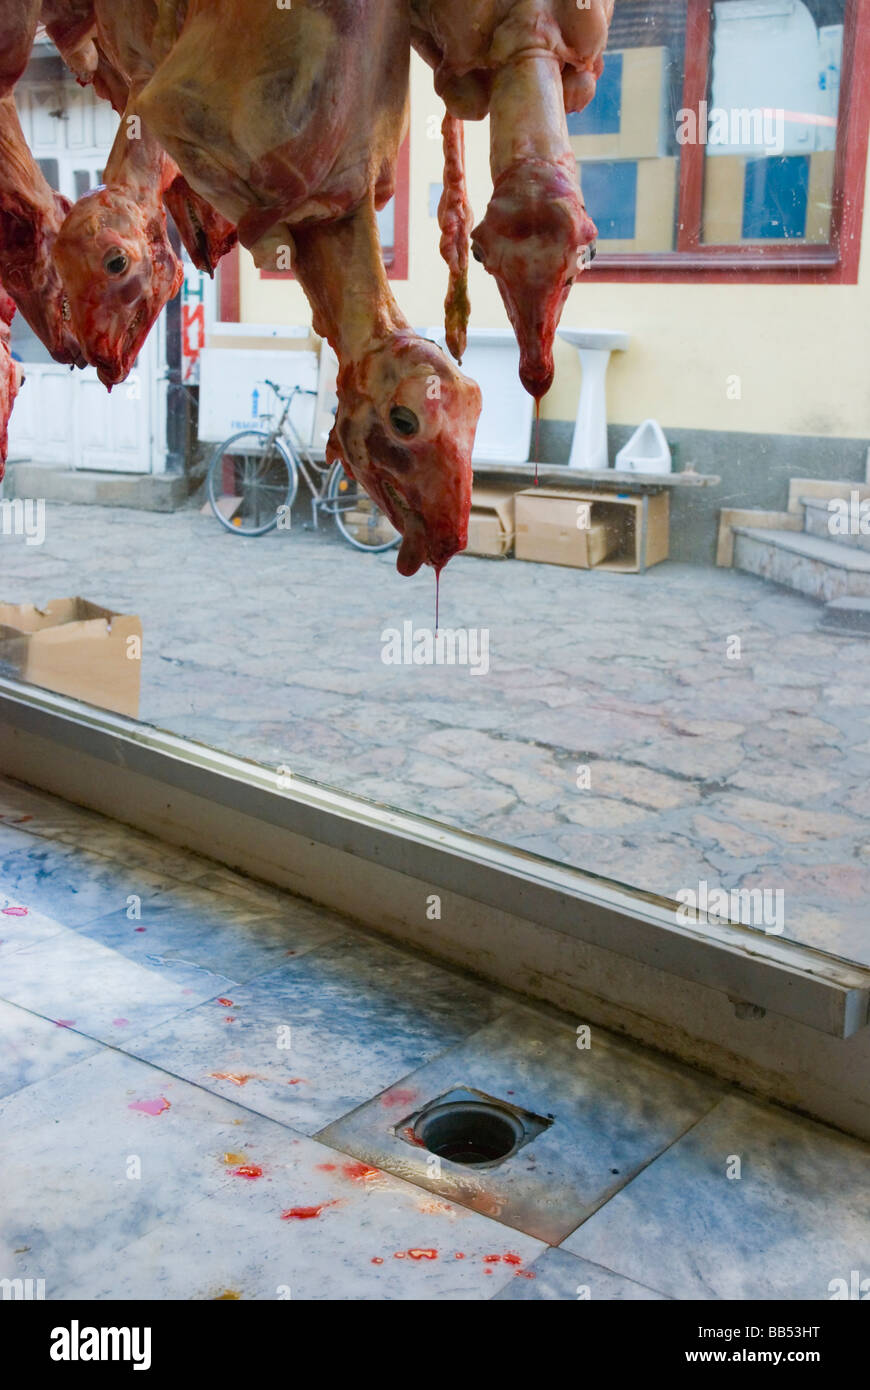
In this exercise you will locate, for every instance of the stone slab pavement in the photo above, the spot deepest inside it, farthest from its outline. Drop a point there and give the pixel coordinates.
(619, 728)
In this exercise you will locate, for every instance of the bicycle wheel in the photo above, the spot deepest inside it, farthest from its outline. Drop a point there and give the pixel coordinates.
(359, 520)
(257, 475)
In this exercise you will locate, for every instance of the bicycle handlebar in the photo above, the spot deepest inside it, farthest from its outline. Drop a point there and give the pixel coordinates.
(296, 391)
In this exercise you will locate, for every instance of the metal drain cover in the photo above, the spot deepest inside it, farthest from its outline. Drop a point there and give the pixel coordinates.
(469, 1127)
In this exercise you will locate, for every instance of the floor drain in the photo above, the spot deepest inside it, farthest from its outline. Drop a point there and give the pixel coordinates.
(469, 1127)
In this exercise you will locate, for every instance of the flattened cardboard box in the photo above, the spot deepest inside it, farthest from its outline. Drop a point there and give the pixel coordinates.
(491, 525)
(75, 648)
(609, 537)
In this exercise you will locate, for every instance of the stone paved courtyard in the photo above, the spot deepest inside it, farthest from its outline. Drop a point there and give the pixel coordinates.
(747, 770)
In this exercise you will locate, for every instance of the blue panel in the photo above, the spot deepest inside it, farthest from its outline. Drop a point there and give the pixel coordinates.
(610, 195)
(775, 197)
(603, 115)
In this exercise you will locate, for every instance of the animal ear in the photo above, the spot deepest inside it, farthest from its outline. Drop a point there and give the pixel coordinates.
(334, 452)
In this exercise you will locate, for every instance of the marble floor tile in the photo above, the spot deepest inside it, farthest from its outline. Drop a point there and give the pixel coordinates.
(95, 1158)
(22, 926)
(187, 926)
(796, 1217)
(98, 992)
(32, 1048)
(41, 814)
(315, 1225)
(614, 1108)
(70, 884)
(322, 1034)
(567, 1278)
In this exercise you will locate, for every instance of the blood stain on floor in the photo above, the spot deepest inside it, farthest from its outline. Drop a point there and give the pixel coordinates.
(306, 1213)
(150, 1107)
(400, 1097)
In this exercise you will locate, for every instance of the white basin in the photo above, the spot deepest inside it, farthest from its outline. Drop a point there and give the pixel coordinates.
(600, 339)
(589, 447)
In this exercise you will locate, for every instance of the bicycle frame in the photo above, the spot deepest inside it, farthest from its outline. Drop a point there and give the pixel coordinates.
(317, 485)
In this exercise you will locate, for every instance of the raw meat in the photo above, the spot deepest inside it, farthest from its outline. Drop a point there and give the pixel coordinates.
(273, 117)
(524, 63)
(10, 375)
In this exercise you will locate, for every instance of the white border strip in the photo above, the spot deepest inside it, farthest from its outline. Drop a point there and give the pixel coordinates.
(816, 990)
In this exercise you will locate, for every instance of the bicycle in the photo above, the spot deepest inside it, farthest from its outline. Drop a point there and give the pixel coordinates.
(258, 471)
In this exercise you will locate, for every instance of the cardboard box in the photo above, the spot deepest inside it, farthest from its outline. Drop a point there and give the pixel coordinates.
(367, 527)
(586, 530)
(75, 648)
(491, 524)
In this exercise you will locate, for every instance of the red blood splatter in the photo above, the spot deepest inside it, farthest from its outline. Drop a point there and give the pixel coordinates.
(305, 1213)
(509, 1259)
(408, 1133)
(327, 1167)
(537, 435)
(398, 1097)
(14, 911)
(120, 1022)
(150, 1107)
(65, 1022)
(459, 1255)
(248, 1170)
(524, 1274)
(289, 953)
(238, 1078)
(229, 1019)
(359, 1172)
(416, 1254)
(140, 928)
(297, 1081)
(227, 1003)
(399, 1255)
(376, 1260)
(487, 1271)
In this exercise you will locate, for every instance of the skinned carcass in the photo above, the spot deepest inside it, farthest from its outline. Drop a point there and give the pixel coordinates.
(10, 375)
(525, 63)
(289, 121)
(31, 213)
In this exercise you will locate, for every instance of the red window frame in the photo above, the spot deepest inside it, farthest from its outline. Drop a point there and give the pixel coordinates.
(834, 264)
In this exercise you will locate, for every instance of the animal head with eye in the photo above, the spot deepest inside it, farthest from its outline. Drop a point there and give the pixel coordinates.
(535, 239)
(119, 270)
(404, 430)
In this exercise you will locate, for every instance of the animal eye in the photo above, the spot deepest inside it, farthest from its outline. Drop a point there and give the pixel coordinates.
(115, 262)
(404, 421)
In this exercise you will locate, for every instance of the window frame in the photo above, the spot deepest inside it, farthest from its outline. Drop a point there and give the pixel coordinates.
(693, 261)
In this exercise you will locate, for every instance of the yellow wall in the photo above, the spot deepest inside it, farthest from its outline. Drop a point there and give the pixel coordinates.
(800, 352)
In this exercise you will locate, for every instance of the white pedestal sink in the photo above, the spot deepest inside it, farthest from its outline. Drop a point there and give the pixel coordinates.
(589, 448)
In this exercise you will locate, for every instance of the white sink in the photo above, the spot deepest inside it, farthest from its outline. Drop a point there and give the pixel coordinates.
(589, 448)
(598, 339)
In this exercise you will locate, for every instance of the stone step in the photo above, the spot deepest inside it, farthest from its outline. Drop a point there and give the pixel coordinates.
(147, 492)
(823, 569)
(849, 616)
(838, 520)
